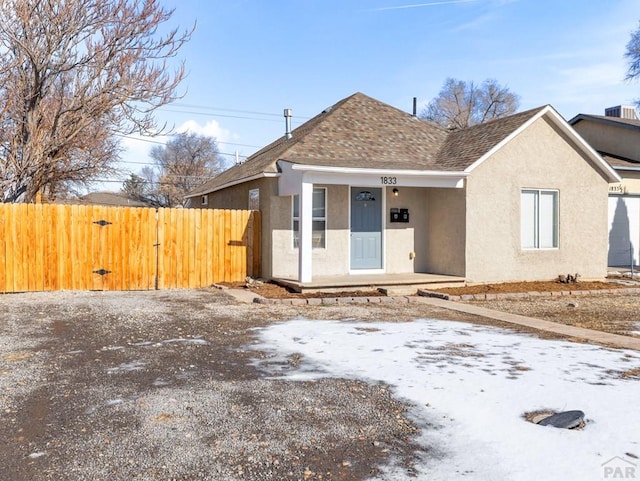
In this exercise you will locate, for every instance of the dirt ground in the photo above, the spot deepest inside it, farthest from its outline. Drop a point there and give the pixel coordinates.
(275, 291)
(539, 286)
(617, 314)
(271, 290)
(165, 385)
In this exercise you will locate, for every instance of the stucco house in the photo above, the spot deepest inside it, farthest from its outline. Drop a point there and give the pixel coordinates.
(365, 188)
(616, 136)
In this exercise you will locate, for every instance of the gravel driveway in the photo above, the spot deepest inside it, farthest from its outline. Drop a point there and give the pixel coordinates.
(165, 385)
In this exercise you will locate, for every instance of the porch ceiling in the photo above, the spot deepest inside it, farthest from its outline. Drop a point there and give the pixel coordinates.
(294, 175)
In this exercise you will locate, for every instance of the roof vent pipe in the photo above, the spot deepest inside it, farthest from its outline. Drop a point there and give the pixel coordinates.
(415, 106)
(287, 121)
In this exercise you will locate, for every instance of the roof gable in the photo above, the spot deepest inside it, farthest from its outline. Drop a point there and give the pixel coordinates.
(554, 117)
(463, 148)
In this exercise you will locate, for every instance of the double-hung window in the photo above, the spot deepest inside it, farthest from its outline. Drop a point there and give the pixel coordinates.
(539, 219)
(319, 221)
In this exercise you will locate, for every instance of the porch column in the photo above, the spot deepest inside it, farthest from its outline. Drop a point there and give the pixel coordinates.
(306, 232)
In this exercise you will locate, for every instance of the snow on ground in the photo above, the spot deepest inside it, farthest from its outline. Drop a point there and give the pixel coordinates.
(471, 386)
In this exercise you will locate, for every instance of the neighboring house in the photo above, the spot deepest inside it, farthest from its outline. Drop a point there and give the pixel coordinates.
(113, 199)
(616, 136)
(366, 188)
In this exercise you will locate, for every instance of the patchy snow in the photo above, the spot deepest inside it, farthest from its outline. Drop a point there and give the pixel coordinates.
(470, 386)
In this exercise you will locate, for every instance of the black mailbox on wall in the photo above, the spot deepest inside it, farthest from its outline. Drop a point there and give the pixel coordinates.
(399, 215)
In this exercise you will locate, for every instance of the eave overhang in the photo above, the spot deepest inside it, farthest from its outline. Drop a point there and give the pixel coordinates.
(293, 175)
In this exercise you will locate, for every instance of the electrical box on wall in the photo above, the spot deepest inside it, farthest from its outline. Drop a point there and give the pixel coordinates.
(399, 215)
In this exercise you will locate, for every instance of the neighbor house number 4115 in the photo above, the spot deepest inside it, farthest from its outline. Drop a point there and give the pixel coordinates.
(388, 180)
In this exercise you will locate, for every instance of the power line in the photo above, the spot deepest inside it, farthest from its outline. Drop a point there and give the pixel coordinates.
(244, 117)
(204, 107)
(191, 112)
(140, 180)
(250, 112)
(153, 163)
(228, 154)
(158, 142)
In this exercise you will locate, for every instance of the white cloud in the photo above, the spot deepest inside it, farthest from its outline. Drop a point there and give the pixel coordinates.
(211, 129)
(136, 148)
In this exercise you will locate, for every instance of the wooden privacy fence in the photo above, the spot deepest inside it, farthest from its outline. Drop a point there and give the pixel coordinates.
(47, 247)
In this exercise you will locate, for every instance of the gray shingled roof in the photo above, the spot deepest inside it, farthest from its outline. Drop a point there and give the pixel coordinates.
(620, 163)
(605, 119)
(362, 132)
(463, 147)
(112, 199)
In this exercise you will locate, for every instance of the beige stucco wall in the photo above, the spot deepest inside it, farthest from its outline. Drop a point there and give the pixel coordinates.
(618, 140)
(237, 196)
(333, 259)
(401, 239)
(445, 230)
(540, 157)
(280, 259)
(630, 184)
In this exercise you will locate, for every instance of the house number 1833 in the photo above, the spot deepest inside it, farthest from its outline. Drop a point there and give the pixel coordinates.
(388, 180)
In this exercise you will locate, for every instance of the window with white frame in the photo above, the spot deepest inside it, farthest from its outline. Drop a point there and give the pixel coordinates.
(204, 200)
(539, 219)
(319, 222)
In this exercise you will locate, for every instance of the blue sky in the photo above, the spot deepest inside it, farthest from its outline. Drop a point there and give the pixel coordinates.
(250, 59)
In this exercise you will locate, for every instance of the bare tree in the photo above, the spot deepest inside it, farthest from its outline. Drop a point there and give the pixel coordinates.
(462, 104)
(135, 187)
(633, 55)
(73, 75)
(185, 162)
(144, 187)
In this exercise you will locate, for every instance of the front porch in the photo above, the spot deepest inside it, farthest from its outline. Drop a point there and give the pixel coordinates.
(394, 284)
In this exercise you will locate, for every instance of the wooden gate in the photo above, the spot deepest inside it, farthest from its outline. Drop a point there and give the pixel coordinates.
(45, 247)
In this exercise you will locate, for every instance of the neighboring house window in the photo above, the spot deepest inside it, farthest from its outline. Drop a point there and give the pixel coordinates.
(539, 218)
(319, 218)
(204, 200)
(254, 199)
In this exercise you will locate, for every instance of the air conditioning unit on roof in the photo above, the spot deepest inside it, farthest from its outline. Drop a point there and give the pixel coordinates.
(622, 112)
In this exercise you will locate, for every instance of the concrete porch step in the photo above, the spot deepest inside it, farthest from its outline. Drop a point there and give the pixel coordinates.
(391, 284)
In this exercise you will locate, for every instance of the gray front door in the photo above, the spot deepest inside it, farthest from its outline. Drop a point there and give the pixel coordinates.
(366, 228)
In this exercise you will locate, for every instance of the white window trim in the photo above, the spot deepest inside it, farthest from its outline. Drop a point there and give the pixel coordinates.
(556, 239)
(204, 200)
(313, 219)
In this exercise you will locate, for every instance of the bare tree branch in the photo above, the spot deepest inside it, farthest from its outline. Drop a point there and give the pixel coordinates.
(462, 104)
(187, 161)
(73, 73)
(633, 55)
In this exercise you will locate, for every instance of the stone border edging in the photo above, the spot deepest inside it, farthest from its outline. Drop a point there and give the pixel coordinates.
(600, 337)
(523, 295)
(447, 301)
(317, 301)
